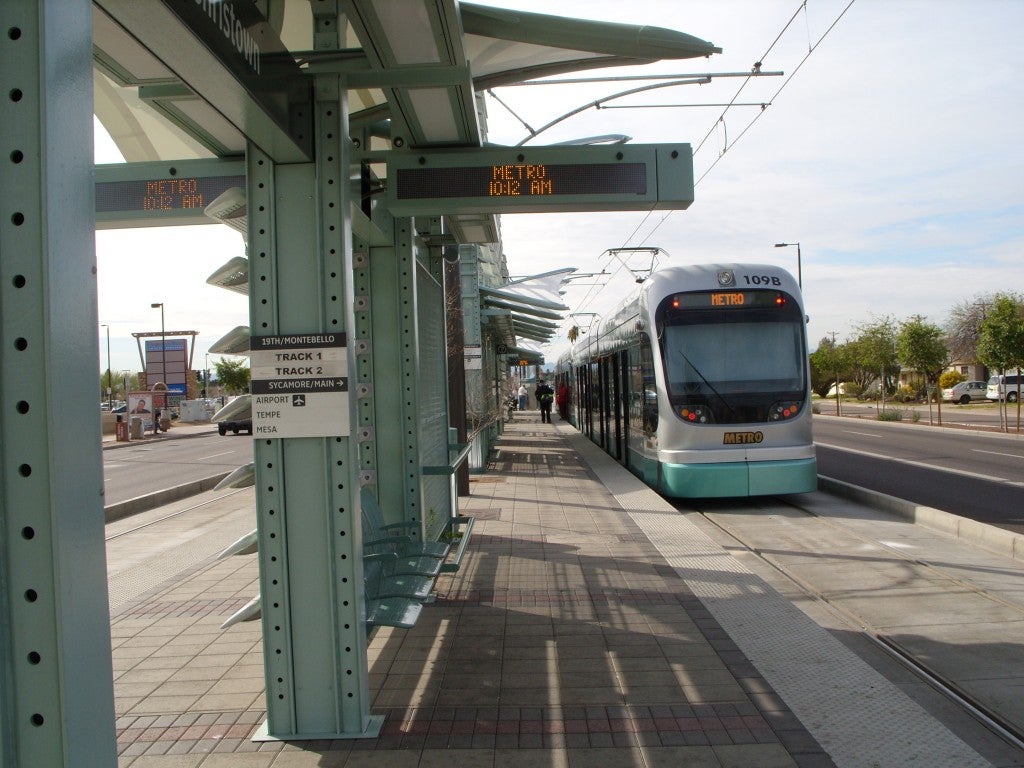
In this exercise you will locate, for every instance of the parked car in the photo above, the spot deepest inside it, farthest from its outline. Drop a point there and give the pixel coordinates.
(223, 427)
(965, 392)
(235, 416)
(998, 385)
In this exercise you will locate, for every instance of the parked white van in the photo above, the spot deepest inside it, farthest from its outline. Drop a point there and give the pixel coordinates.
(1010, 385)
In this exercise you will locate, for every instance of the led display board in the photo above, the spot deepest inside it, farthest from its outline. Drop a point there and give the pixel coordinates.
(161, 194)
(539, 179)
(729, 300)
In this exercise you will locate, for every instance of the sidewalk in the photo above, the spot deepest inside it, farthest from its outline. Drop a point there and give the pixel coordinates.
(565, 640)
(178, 429)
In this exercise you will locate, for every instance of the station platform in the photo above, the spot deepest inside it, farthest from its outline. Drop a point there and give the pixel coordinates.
(592, 623)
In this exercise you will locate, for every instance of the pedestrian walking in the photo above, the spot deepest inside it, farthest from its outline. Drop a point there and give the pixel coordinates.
(523, 394)
(545, 397)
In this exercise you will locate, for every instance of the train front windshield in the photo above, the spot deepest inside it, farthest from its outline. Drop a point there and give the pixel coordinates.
(734, 357)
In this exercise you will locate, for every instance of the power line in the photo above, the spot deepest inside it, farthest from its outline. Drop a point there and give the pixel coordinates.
(775, 95)
(771, 100)
(594, 292)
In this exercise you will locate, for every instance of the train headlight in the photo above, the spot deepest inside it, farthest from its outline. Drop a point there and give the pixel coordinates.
(784, 410)
(695, 414)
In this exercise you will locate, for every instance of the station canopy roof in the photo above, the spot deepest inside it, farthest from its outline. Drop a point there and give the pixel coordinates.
(532, 304)
(163, 94)
(171, 84)
(528, 352)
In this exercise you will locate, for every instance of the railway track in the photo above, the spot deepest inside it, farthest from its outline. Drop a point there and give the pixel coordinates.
(878, 556)
(172, 515)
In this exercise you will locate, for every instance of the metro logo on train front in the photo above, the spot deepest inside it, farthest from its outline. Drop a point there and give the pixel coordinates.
(742, 438)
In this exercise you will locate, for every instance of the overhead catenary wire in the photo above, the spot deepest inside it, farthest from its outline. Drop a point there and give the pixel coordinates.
(781, 87)
(593, 294)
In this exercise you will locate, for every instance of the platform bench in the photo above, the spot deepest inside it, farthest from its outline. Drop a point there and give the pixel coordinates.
(413, 555)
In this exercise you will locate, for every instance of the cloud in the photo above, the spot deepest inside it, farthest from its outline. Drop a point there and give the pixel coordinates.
(892, 155)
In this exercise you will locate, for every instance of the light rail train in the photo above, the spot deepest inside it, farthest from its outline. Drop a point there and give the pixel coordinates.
(699, 383)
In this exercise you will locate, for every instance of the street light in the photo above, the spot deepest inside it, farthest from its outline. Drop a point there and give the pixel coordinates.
(799, 269)
(163, 343)
(110, 384)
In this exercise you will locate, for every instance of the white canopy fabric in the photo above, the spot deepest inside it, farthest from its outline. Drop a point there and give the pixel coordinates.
(439, 53)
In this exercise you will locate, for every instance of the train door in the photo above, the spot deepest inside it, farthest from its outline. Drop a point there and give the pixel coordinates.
(606, 402)
(585, 420)
(609, 369)
(618, 405)
(627, 405)
(596, 395)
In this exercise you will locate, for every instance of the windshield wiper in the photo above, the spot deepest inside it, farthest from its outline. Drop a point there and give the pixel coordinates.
(708, 383)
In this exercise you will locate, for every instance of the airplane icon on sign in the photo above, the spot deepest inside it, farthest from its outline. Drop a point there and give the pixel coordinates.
(298, 400)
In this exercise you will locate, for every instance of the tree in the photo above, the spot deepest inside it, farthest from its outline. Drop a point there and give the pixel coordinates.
(233, 376)
(922, 347)
(964, 327)
(950, 379)
(829, 363)
(119, 380)
(859, 374)
(875, 351)
(1001, 343)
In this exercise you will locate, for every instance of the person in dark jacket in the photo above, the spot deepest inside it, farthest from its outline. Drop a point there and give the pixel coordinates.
(545, 397)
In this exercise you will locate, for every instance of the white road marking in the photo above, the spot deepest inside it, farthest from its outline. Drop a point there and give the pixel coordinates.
(920, 464)
(214, 455)
(997, 453)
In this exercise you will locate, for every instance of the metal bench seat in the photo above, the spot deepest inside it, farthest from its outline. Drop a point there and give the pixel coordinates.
(381, 536)
(379, 584)
(420, 566)
(393, 612)
(393, 601)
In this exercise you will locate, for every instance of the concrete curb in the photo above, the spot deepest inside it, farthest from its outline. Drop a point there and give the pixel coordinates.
(109, 445)
(159, 498)
(988, 537)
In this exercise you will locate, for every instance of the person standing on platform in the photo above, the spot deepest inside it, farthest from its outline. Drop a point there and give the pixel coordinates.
(562, 400)
(545, 397)
(523, 394)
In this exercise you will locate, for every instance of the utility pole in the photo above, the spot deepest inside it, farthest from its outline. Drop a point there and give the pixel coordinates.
(835, 363)
(163, 344)
(110, 383)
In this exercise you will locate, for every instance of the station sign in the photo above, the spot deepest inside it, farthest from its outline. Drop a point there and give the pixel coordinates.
(541, 179)
(299, 385)
(473, 357)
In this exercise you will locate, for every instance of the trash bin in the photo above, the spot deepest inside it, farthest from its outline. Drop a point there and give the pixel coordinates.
(121, 430)
(136, 429)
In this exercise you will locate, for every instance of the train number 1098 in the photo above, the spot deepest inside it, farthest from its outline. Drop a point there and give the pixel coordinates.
(761, 280)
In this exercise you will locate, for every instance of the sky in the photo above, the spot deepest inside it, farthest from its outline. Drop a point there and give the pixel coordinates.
(892, 154)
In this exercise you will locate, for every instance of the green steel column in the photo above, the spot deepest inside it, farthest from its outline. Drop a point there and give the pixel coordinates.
(469, 257)
(392, 307)
(309, 528)
(361, 381)
(436, 491)
(56, 689)
(482, 398)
